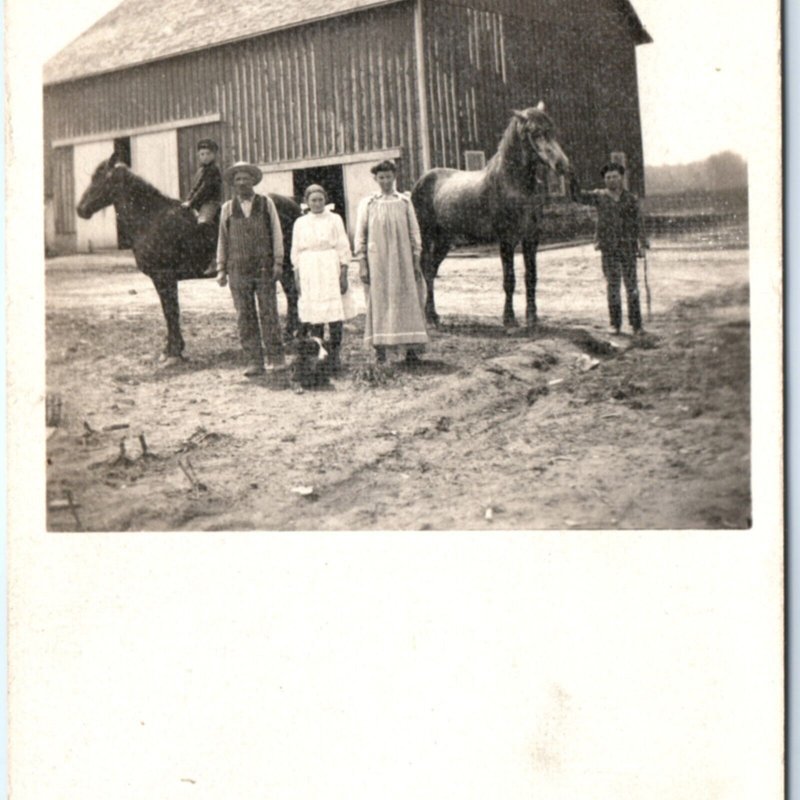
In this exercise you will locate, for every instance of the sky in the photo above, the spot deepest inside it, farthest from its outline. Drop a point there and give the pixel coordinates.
(693, 79)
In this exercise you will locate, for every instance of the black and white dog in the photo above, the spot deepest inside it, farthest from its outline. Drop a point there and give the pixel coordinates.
(310, 365)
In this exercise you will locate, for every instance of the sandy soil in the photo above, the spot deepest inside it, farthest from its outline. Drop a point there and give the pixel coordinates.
(564, 427)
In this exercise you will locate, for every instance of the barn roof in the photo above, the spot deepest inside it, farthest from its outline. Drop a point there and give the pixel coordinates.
(640, 34)
(140, 31)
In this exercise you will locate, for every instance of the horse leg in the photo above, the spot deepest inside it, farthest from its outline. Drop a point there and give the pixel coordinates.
(529, 247)
(167, 289)
(434, 252)
(429, 273)
(290, 290)
(509, 282)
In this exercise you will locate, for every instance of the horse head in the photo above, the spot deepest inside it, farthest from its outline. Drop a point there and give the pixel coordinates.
(536, 132)
(100, 192)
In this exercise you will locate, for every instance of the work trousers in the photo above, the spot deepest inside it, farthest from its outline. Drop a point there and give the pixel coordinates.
(247, 291)
(208, 212)
(620, 267)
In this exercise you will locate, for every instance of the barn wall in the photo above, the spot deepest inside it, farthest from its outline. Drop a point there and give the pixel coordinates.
(63, 192)
(575, 13)
(334, 87)
(578, 57)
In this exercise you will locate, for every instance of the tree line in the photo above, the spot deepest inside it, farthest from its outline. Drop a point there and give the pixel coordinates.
(721, 171)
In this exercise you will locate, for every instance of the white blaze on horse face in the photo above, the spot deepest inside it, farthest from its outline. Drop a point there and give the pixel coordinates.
(550, 152)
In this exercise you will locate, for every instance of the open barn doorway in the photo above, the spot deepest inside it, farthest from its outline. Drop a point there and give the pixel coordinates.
(122, 149)
(330, 177)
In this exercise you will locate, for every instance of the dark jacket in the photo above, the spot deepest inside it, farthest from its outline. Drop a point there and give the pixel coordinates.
(206, 187)
(618, 221)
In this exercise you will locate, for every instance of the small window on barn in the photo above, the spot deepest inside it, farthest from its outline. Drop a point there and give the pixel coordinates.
(122, 149)
(474, 159)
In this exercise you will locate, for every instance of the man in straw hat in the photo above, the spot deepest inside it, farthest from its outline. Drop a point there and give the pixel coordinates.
(250, 259)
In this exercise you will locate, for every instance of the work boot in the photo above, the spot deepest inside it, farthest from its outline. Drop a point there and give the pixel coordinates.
(334, 360)
(412, 358)
(254, 370)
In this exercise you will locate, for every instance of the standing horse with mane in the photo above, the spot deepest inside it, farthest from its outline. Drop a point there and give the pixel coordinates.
(500, 203)
(168, 244)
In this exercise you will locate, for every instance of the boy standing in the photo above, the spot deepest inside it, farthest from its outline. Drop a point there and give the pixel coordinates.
(206, 194)
(620, 239)
(250, 251)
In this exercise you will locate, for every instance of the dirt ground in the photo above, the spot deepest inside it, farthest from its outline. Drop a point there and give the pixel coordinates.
(562, 428)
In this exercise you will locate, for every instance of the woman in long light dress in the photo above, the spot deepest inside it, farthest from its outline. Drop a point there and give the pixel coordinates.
(388, 247)
(321, 256)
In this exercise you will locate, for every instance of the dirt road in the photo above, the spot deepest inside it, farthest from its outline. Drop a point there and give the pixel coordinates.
(564, 428)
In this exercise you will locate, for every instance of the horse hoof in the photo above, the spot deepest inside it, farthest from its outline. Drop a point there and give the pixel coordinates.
(510, 322)
(531, 322)
(171, 361)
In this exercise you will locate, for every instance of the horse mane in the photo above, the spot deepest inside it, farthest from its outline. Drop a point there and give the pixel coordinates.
(144, 190)
(512, 159)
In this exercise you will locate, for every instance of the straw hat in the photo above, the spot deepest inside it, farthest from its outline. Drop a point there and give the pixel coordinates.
(243, 166)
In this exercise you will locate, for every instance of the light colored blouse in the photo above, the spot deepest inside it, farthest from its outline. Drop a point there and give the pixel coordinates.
(319, 232)
(360, 245)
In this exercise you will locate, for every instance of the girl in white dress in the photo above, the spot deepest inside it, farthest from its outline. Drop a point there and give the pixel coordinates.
(321, 256)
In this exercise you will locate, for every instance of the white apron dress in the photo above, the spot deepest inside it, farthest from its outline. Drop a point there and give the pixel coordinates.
(387, 232)
(319, 246)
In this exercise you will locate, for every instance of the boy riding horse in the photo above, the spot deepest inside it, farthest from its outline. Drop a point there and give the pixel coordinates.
(205, 197)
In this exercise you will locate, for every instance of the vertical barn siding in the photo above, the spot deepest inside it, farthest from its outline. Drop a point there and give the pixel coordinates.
(335, 87)
(64, 190)
(485, 59)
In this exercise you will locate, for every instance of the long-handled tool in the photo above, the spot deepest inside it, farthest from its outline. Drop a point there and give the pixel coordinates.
(647, 288)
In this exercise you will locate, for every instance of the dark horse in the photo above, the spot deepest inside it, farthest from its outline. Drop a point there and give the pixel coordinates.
(168, 244)
(500, 203)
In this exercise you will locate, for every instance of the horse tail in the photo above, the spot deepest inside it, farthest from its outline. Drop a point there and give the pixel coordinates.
(422, 197)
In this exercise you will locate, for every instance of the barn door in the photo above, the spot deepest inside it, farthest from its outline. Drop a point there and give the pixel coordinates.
(101, 230)
(154, 157)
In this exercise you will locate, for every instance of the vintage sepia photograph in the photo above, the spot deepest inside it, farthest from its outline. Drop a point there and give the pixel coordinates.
(411, 376)
(414, 265)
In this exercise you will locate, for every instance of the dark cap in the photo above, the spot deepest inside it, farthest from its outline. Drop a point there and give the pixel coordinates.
(208, 144)
(612, 166)
(384, 166)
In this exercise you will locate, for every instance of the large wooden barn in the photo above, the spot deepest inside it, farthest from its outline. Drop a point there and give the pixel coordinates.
(320, 91)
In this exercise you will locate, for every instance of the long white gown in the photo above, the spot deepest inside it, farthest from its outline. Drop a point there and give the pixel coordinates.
(319, 246)
(387, 233)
